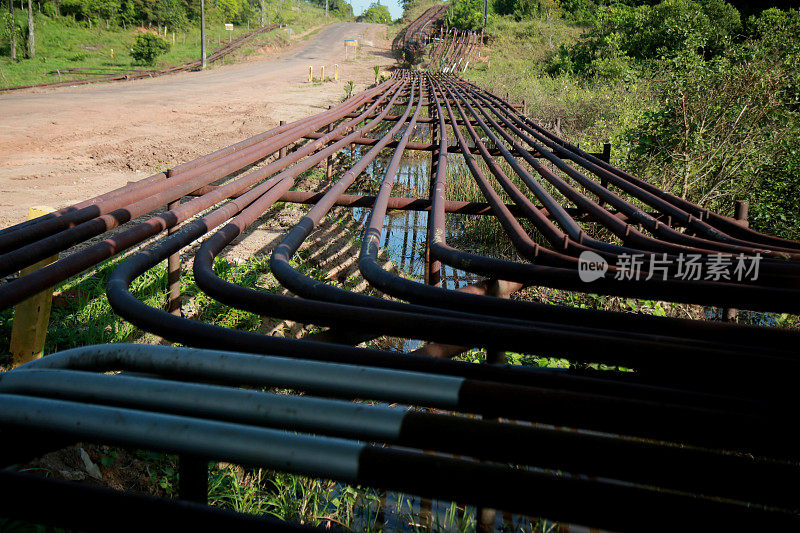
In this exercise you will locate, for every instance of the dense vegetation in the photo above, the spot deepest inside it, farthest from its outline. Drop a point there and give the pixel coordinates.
(148, 47)
(694, 96)
(180, 14)
(376, 12)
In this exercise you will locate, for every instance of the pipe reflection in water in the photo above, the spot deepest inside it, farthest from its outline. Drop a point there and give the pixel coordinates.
(391, 511)
(405, 231)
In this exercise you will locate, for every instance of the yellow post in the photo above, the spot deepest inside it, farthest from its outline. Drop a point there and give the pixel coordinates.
(322, 73)
(31, 316)
(336, 72)
(310, 74)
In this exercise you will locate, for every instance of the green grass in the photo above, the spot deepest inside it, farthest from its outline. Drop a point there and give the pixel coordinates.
(62, 43)
(85, 317)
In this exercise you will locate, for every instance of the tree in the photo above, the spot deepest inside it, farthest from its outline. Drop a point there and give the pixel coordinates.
(729, 125)
(128, 12)
(12, 30)
(106, 8)
(170, 13)
(148, 47)
(527, 9)
(339, 8)
(229, 9)
(466, 14)
(342, 8)
(377, 13)
(623, 34)
(31, 46)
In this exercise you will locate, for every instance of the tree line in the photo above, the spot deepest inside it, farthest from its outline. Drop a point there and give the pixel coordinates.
(175, 14)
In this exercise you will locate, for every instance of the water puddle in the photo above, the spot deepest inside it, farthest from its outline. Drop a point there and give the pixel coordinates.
(405, 232)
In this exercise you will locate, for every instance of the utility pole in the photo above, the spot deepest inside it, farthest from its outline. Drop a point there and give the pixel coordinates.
(326, 8)
(203, 34)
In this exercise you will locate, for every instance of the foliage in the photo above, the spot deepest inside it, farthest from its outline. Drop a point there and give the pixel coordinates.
(466, 14)
(148, 47)
(715, 125)
(579, 11)
(180, 13)
(171, 13)
(622, 34)
(341, 9)
(775, 209)
(348, 89)
(234, 11)
(526, 9)
(62, 43)
(49, 9)
(376, 12)
(10, 28)
(691, 99)
(338, 8)
(730, 126)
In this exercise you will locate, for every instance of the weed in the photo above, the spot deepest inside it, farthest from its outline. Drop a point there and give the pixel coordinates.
(348, 89)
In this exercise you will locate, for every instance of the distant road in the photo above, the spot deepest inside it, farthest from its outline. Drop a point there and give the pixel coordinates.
(325, 46)
(60, 145)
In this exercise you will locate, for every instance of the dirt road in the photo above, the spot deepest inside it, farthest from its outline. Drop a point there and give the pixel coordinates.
(60, 146)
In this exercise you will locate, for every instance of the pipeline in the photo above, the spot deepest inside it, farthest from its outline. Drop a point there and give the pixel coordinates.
(699, 426)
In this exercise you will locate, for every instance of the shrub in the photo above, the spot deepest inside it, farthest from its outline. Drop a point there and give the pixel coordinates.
(376, 13)
(49, 9)
(718, 122)
(148, 47)
(650, 33)
(339, 8)
(579, 11)
(466, 14)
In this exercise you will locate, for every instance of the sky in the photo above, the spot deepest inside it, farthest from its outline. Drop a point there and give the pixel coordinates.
(394, 7)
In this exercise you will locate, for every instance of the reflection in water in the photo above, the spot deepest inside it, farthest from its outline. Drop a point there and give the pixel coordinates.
(389, 511)
(405, 232)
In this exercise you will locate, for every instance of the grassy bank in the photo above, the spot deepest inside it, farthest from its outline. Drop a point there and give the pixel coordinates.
(591, 111)
(620, 109)
(63, 44)
(708, 113)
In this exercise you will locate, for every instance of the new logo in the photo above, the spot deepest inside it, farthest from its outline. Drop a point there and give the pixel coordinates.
(591, 266)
